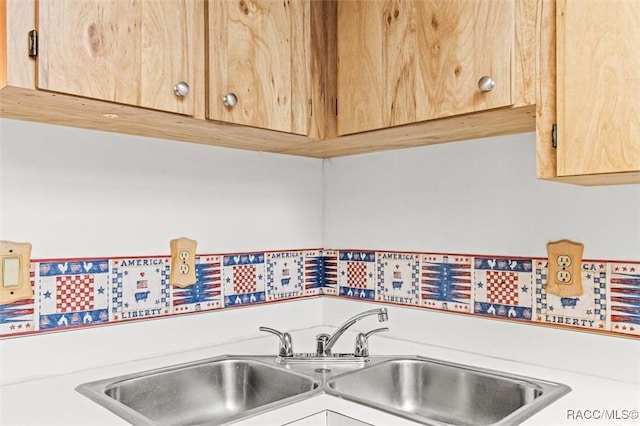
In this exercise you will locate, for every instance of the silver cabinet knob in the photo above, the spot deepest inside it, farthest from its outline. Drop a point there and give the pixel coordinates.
(230, 100)
(486, 84)
(181, 88)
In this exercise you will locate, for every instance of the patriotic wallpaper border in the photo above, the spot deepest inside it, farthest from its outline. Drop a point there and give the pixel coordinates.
(87, 292)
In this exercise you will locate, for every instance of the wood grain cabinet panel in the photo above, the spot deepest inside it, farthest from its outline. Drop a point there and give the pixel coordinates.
(590, 88)
(124, 51)
(405, 61)
(259, 52)
(598, 86)
(311, 77)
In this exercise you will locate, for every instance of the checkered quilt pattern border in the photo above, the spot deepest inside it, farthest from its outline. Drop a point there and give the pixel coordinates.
(612, 306)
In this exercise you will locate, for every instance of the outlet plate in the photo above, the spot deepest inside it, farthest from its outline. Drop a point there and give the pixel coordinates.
(183, 262)
(564, 278)
(15, 280)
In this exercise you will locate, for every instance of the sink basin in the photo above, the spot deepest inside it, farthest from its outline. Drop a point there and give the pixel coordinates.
(437, 393)
(216, 391)
(226, 389)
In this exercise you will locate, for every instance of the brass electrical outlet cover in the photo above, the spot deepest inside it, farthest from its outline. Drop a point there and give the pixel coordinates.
(183, 262)
(564, 277)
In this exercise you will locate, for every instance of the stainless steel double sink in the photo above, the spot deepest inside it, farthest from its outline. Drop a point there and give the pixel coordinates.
(226, 389)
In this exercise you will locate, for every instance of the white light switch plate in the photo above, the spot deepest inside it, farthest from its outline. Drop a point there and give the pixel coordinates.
(15, 282)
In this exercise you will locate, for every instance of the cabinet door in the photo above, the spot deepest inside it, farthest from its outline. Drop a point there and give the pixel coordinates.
(257, 56)
(403, 61)
(598, 86)
(126, 51)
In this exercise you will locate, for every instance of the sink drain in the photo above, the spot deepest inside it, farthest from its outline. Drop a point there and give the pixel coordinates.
(322, 370)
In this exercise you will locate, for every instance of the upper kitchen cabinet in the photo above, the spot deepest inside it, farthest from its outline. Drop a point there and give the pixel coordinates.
(402, 62)
(260, 63)
(266, 75)
(590, 90)
(144, 53)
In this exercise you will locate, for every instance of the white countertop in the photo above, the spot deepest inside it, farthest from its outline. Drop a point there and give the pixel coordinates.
(53, 401)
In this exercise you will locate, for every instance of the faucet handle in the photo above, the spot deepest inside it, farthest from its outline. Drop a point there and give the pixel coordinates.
(362, 341)
(286, 342)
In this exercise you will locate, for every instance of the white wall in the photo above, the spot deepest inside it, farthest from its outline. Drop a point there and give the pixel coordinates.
(481, 197)
(477, 197)
(73, 192)
(79, 193)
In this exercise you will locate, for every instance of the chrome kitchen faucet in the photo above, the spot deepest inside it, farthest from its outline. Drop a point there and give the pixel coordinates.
(324, 341)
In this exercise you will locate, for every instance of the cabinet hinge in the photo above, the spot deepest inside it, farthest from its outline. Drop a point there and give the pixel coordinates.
(554, 135)
(33, 43)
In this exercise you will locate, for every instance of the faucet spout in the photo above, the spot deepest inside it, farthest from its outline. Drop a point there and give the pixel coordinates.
(324, 342)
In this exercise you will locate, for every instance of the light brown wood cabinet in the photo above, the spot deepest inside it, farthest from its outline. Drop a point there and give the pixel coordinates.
(259, 70)
(590, 90)
(401, 62)
(126, 52)
(270, 65)
(108, 65)
(383, 74)
(96, 69)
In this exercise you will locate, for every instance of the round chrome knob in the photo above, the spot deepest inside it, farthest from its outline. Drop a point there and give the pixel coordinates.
(230, 100)
(181, 88)
(486, 84)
